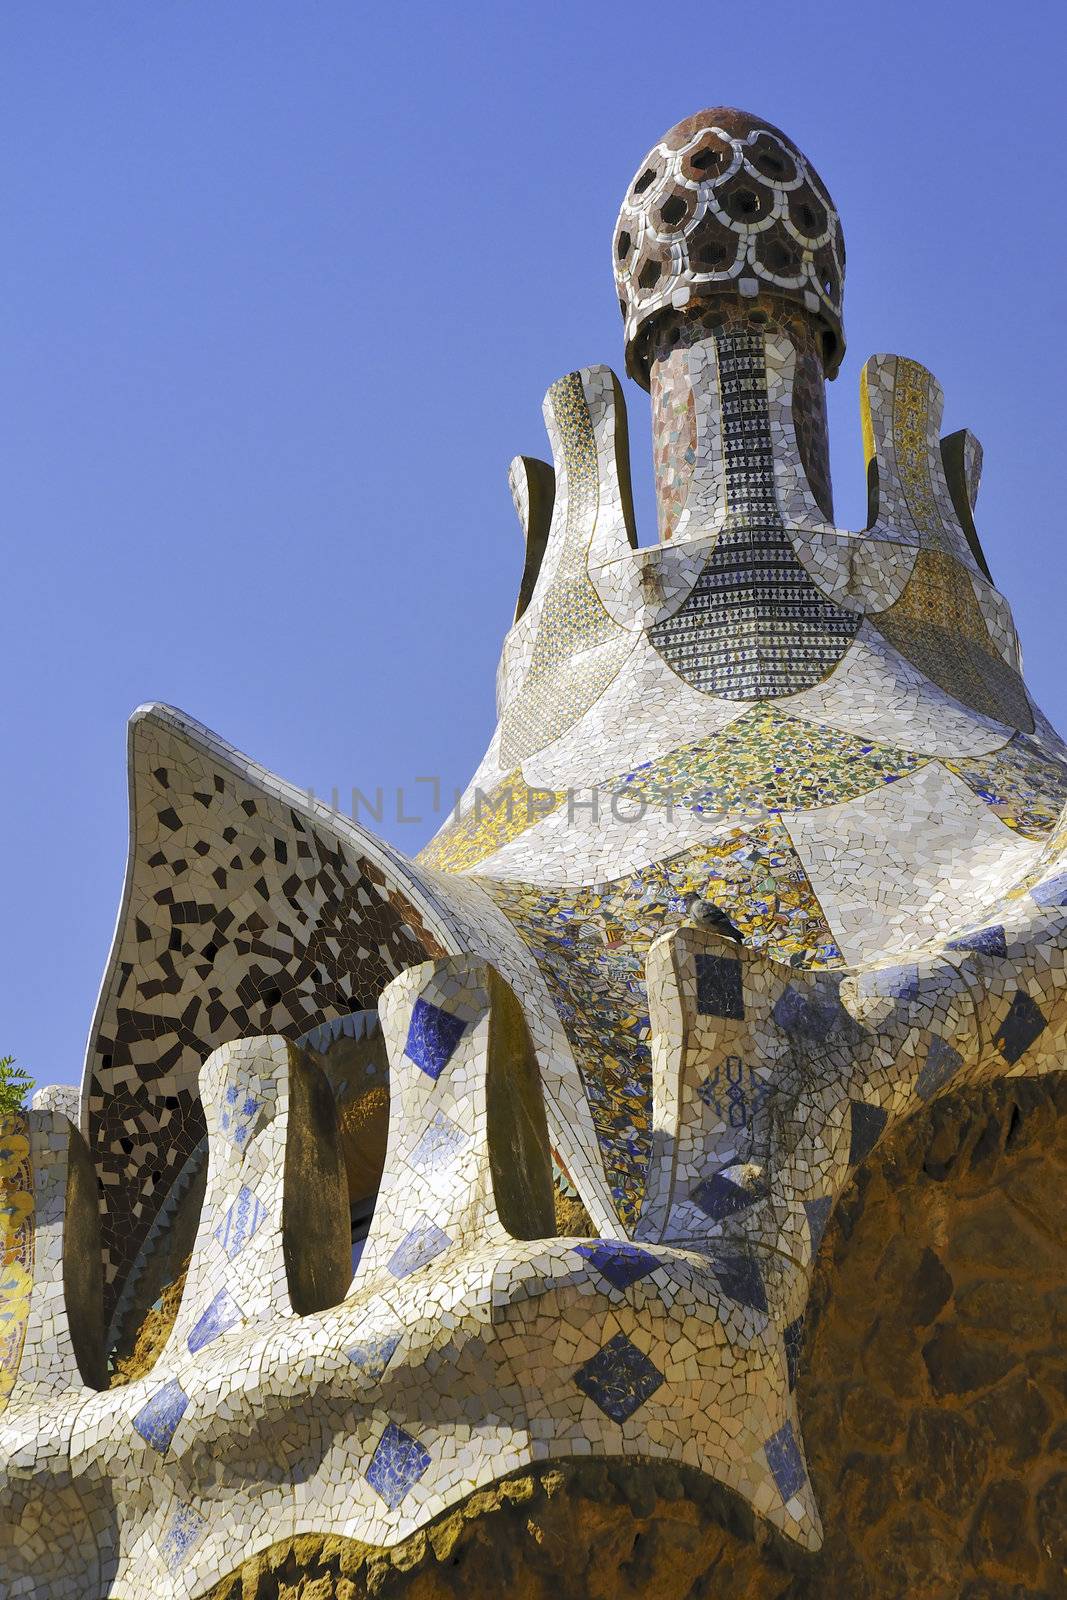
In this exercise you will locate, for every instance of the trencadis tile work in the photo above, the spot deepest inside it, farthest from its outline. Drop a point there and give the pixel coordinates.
(767, 852)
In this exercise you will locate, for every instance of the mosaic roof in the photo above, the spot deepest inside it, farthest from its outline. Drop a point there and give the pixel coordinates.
(768, 849)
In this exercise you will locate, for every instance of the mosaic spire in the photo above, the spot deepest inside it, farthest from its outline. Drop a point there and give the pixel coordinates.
(768, 850)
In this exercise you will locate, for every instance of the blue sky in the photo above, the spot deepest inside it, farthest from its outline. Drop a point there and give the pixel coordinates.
(283, 287)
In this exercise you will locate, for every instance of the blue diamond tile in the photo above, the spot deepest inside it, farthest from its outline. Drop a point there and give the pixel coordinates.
(159, 1417)
(785, 1461)
(433, 1035)
(818, 1214)
(620, 1263)
(240, 1223)
(942, 1063)
(719, 988)
(793, 1338)
(1051, 893)
(619, 1378)
(222, 1314)
(398, 1463)
(184, 1531)
(439, 1144)
(741, 1278)
(720, 1197)
(425, 1241)
(374, 1355)
(986, 941)
(1022, 1025)
(866, 1128)
(798, 1013)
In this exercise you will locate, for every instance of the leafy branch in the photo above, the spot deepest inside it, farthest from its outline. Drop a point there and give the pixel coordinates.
(16, 1086)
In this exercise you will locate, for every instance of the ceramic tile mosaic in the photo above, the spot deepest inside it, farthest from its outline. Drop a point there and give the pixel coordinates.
(767, 851)
(765, 763)
(619, 1378)
(576, 649)
(399, 1461)
(938, 624)
(754, 624)
(220, 1316)
(490, 820)
(591, 943)
(726, 202)
(245, 910)
(17, 1221)
(1024, 786)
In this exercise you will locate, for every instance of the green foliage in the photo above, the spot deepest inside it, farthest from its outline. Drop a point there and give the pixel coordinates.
(15, 1086)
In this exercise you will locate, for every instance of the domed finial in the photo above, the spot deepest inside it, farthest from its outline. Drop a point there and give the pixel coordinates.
(726, 204)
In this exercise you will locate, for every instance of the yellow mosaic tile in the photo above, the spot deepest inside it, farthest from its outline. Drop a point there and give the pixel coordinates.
(765, 763)
(16, 1230)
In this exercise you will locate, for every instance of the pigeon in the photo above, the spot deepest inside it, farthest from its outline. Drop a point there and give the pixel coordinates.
(708, 915)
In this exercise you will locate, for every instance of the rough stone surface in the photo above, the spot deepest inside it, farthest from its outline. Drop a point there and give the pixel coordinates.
(154, 1331)
(933, 1398)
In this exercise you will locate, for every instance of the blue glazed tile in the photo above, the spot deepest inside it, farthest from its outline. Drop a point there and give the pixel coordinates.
(619, 1378)
(793, 1338)
(734, 1092)
(720, 1197)
(867, 1123)
(425, 1241)
(240, 1222)
(239, 1115)
(441, 1141)
(942, 1063)
(898, 983)
(398, 1463)
(433, 1035)
(741, 1278)
(719, 988)
(785, 1461)
(1024, 1022)
(818, 1213)
(222, 1314)
(184, 1531)
(374, 1355)
(986, 941)
(159, 1417)
(620, 1263)
(1051, 893)
(799, 1014)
